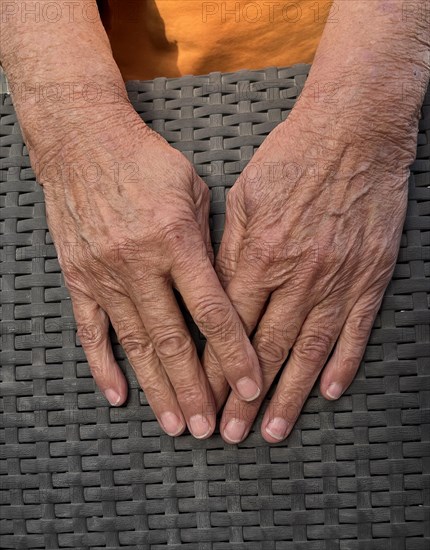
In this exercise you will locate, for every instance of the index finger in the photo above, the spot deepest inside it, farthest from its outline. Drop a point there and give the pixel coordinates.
(212, 311)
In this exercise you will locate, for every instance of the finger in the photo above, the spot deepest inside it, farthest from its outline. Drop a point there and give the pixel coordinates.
(217, 319)
(226, 264)
(273, 339)
(345, 361)
(93, 331)
(248, 296)
(202, 216)
(150, 374)
(232, 239)
(216, 378)
(177, 353)
(309, 353)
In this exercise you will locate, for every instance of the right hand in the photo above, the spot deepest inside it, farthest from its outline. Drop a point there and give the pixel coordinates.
(129, 218)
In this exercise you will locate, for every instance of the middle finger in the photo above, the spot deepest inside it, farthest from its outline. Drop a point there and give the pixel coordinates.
(273, 339)
(175, 348)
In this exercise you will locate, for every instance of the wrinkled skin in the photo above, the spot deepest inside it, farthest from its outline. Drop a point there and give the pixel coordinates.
(312, 233)
(129, 217)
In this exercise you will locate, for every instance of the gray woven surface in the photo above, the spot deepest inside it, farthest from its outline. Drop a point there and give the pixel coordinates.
(74, 473)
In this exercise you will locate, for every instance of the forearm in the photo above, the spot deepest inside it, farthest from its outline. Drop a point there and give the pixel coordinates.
(61, 74)
(372, 66)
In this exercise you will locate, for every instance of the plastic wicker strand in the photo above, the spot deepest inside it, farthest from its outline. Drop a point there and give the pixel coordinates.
(75, 473)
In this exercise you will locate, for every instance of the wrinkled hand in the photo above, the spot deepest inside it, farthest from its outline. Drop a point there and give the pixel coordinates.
(129, 217)
(311, 238)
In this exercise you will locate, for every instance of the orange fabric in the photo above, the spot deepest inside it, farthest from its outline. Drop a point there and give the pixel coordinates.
(171, 38)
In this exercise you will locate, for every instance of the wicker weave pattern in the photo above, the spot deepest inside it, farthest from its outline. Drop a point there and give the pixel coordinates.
(74, 473)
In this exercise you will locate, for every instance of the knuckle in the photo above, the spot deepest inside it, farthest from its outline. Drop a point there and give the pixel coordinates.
(360, 325)
(188, 393)
(214, 317)
(233, 355)
(321, 255)
(156, 389)
(172, 343)
(144, 279)
(312, 349)
(88, 254)
(91, 335)
(137, 251)
(380, 264)
(114, 251)
(137, 347)
(261, 251)
(271, 352)
(123, 251)
(174, 232)
(84, 264)
(358, 329)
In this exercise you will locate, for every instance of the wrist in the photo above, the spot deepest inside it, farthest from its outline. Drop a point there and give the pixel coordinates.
(52, 107)
(80, 135)
(363, 114)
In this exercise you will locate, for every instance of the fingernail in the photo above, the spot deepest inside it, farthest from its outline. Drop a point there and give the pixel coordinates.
(235, 430)
(277, 428)
(247, 388)
(113, 397)
(334, 391)
(171, 423)
(199, 426)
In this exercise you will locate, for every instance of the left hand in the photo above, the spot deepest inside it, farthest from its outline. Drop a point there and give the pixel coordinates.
(312, 234)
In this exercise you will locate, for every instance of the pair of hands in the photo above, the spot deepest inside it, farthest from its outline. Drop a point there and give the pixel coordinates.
(312, 233)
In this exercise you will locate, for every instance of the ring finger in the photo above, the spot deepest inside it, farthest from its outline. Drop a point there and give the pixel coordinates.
(309, 354)
(177, 354)
(150, 374)
(273, 339)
